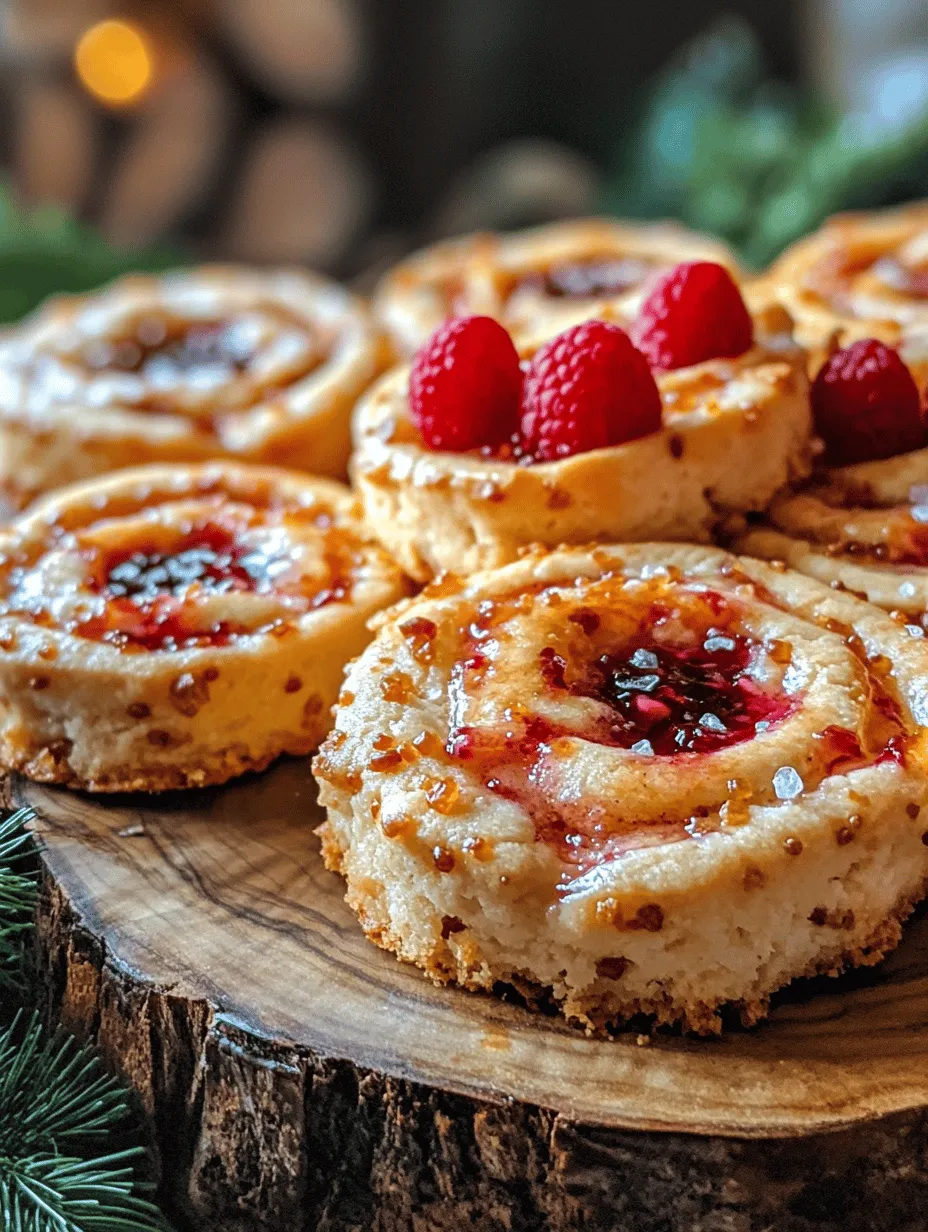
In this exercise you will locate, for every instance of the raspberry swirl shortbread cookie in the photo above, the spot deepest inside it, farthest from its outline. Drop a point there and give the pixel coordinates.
(649, 779)
(175, 626)
(456, 475)
(538, 281)
(197, 364)
(862, 275)
(862, 523)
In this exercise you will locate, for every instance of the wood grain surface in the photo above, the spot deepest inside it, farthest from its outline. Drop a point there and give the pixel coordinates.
(294, 1076)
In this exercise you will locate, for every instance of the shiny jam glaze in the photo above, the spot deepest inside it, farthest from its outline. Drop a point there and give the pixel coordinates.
(655, 699)
(905, 544)
(153, 596)
(589, 278)
(203, 369)
(147, 589)
(908, 538)
(691, 698)
(173, 348)
(210, 555)
(884, 736)
(678, 700)
(658, 699)
(162, 623)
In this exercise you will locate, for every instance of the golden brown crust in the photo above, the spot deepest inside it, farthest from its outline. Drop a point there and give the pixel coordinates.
(856, 527)
(734, 432)
(50, 765)
(499, 813)
(601, 1009)
(169, 627)
(219, 361)
(861, 275)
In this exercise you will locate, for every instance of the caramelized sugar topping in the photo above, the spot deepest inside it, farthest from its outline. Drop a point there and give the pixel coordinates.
(160, 591)
(683, 678)
(171, 349)
(681, 684)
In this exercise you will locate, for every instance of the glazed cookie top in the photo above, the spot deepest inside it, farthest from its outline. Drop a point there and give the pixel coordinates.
(536, 281)
(863, 522)
(867, 527)
(219, 352)
(175, 559)
(640, 719)
(861, 275)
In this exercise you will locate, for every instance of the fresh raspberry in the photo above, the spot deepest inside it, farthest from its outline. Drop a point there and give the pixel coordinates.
(464, 386)
(866, 405)
(585, 389)
(694, 312)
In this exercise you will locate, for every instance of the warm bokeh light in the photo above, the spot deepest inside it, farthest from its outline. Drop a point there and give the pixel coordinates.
(114, 62)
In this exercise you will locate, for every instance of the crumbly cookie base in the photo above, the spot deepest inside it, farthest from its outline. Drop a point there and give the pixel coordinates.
(598, 1009)
(51, 765)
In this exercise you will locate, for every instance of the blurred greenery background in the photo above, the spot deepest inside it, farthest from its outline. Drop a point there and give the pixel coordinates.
(727, 148)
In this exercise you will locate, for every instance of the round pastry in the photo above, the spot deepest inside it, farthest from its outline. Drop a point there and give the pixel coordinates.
(196, 364)
(862, 275)
(538, 281)
(727, 433)
(863, 528)
(861, 524)
(655, 779)
(175, 626)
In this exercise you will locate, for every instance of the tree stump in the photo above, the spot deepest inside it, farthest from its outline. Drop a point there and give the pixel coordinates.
(296, 1078)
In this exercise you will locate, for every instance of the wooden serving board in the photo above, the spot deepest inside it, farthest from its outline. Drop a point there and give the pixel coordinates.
(295, 1077)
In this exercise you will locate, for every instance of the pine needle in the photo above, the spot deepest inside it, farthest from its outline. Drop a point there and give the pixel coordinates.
(56, 1104)
(59, 1193)
(17, 898)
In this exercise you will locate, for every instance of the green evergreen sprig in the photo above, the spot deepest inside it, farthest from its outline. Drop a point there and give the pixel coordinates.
(56, 1106)
(60, 1115)
(45, 251)
(17, 900)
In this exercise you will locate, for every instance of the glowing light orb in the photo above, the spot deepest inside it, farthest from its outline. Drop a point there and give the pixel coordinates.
(114, 62)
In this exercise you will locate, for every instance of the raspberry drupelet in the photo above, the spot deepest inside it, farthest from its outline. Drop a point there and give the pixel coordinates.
(464, 386)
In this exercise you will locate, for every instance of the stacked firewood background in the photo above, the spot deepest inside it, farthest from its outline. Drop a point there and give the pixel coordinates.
(261, 130)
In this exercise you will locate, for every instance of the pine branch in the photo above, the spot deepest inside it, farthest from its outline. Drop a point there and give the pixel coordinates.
(56, 1104)
(44, 251)
(59, 1193)
(17, 898)
(52, 1092)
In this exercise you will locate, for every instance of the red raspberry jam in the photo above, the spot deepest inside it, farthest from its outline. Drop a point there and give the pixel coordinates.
(592, 278)
(160, 349)
(211, 555)
(656, 699)
(693, 700)
(152, 593)
(164, 623)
